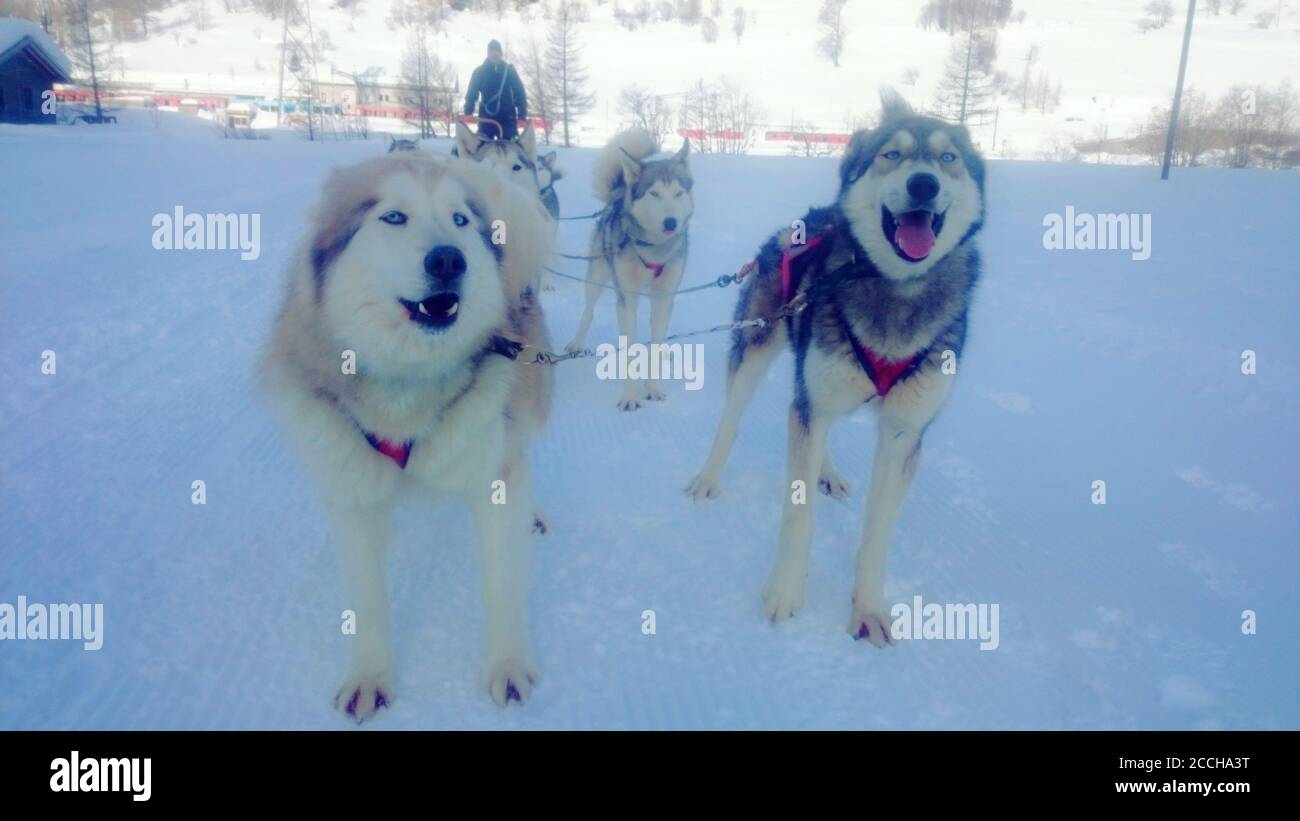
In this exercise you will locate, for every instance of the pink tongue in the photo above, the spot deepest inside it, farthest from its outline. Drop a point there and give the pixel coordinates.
(914, 235)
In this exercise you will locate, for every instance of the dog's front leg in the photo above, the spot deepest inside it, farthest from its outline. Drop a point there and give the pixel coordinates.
(784, 592)
(504, 525)
(898, 451)
(598, 274)
(661, 313)
(632, 388)
(362, 537)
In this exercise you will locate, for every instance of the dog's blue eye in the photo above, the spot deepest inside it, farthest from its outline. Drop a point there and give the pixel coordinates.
(393, 217)
(947, 156)
(656, 195)
(517, 168)
(679, 195)
(893, 155)
(460, 219)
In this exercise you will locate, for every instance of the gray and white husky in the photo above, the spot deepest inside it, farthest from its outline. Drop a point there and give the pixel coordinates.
(384, 364)
(518, 161)
(639, 242)
(886, 273)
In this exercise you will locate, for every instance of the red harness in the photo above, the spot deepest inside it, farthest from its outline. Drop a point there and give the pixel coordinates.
(655, 268)
(884, 373)
(399, 452)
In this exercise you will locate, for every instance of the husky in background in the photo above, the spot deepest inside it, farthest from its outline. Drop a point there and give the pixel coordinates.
(887, 274)
(400, 277)
(516, 159)
(399, 144)
(639, 242)
(549, 173)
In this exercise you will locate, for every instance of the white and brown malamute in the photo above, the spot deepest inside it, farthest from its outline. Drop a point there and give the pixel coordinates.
(386, 366)
(887, 273)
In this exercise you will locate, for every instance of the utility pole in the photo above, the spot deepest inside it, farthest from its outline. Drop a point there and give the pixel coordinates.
(1178, 90)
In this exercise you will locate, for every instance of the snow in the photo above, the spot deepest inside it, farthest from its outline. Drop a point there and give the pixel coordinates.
(13, 29)
(1111, 75)
(1080, 366)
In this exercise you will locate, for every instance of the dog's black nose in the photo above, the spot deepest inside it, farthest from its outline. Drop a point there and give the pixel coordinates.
(922, 187)
(670, 224)
(444, 263)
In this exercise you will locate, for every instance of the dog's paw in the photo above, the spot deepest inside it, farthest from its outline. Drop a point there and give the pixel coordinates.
(704, 486)
(362, 695)
(629, 403)
(782, 597)
(870, 623)
(511, 679)
(833, 484)
(540, 523)
(548, 284)
(654, 393)
(574, 346)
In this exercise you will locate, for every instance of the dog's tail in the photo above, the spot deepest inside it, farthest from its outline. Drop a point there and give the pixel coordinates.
(607, 177)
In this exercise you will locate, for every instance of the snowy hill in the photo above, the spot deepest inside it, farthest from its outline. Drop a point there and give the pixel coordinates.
(1110, 74)
(1081, 366)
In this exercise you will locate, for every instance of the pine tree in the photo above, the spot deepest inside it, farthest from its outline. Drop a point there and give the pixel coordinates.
(966, 86)
(831, 22)
(540, 89)
(568, 77)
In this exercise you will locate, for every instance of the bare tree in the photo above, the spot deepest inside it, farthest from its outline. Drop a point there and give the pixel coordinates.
(830, 21)
(88, 44)
(573, 95)
(722, 118)
(738, 22)
(642, 107)
(426, 75)
(1031, 57)
(709, 30)
(1158, 14)
(957, 16)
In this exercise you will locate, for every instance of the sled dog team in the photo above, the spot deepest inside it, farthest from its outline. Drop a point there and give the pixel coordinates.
(401, 268)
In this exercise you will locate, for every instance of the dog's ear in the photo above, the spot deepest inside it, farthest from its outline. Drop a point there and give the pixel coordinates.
(548, 160)
(631, 169)
(683, 154)
(893, 106)
(857, 157)
(346, 198)
(467, 142)
(528, 142)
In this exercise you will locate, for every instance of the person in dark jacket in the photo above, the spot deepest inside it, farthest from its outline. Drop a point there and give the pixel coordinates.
(498, 92)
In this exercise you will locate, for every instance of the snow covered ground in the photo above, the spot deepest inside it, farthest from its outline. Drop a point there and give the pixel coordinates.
(1082, 365)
